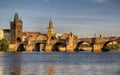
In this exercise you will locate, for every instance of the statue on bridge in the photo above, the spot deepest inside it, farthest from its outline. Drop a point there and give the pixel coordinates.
(70, 47)
(48, 47)
(70, 41)
(48, 38)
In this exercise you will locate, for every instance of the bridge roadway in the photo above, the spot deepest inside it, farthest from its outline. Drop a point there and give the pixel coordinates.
(97, 45)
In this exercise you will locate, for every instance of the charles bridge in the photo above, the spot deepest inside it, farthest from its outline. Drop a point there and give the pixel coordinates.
(66, 45)
(69, 44)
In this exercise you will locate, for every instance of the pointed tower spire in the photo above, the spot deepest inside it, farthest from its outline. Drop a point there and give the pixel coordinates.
(16, 17)
(50, 29)
(50, 23)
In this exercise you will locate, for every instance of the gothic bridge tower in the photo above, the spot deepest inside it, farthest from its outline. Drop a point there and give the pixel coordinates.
(16, 29)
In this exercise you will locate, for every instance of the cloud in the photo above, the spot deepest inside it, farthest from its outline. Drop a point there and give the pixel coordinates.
(99, 1)
(46, 1)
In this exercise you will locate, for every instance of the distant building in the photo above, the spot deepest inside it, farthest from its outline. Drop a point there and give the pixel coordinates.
(65, 36)
(16, 29)
(7, 34)
(50, 29)
(33, 37)
(1, 34)
(58, 35)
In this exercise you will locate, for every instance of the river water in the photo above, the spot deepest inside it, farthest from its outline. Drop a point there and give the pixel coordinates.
(60, 63)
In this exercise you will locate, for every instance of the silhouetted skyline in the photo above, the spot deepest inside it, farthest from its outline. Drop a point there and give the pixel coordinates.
(82, 17)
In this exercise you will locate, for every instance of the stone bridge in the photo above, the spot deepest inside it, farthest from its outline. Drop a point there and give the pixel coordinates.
(67, 45)
(98, 44)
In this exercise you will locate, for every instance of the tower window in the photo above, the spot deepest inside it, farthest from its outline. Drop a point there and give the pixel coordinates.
(18, 39)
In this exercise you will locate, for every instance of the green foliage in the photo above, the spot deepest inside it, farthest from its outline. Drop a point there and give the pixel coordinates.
(113, 46)
(4, 45)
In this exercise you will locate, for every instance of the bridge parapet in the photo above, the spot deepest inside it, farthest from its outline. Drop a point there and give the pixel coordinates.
(89, 40)
(100, 40)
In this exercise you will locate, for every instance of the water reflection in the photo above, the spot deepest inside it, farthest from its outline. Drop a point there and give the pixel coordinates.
(59, 63)
(50, 69)
(12, 63)
(1, 63)
(15, 70)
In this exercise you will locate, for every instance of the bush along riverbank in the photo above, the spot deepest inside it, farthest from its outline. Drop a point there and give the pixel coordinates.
(4, 45)
(113, 46)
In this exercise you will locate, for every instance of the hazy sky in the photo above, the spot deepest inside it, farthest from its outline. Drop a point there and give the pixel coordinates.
(82, 17)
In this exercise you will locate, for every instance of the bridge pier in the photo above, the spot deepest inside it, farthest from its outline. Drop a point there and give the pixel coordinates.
(13, 47)
(96, 45)
(29, 48)
(97, 48)
(70, 48)
(48, 48)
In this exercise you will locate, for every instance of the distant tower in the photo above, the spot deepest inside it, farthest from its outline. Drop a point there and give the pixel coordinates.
(50, 29)
(16, 29)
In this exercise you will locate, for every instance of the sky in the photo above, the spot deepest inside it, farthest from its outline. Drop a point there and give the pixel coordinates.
(82, 17)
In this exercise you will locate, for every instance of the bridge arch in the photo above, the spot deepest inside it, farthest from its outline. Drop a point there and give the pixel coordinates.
(21, 47)
(37, 47)
(80, 43)
(104, 49)
(56, 46)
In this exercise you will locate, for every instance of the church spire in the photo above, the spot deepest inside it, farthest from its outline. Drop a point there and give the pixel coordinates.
(50, 23)
(16, 17)
(50, 29)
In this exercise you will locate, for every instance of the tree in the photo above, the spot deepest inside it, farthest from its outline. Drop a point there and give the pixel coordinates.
(4, 44)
